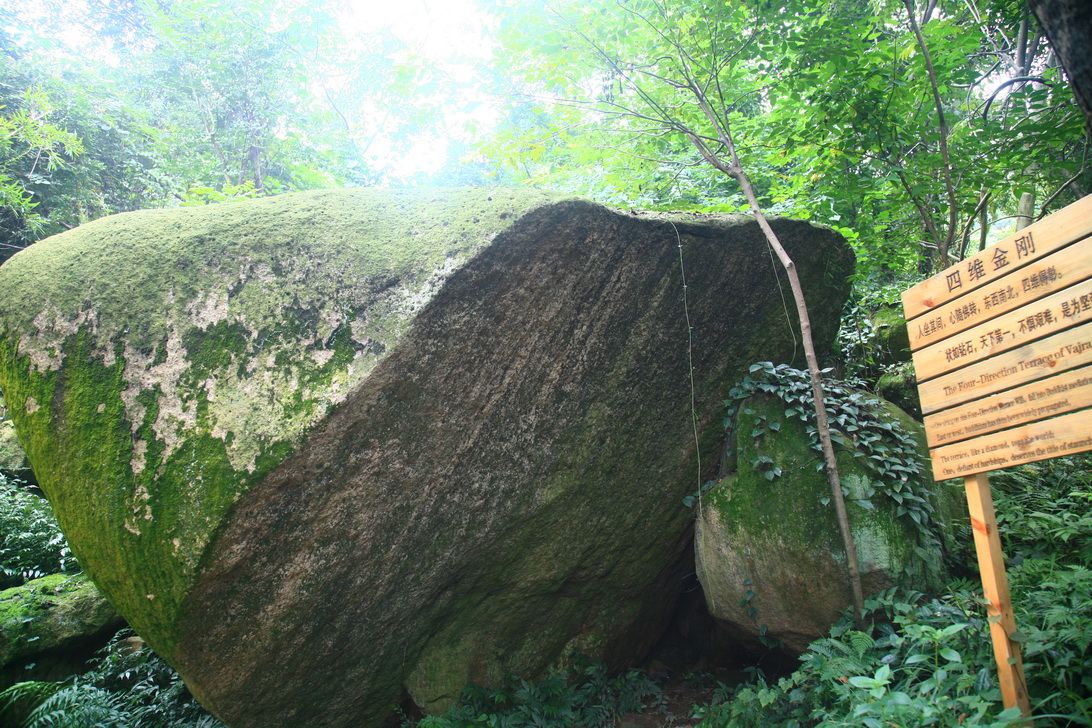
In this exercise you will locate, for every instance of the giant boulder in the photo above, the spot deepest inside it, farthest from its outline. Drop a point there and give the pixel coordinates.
(327, 450)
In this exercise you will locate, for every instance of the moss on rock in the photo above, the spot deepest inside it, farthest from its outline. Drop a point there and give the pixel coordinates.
(892, 338)
(51, 613)
(769, 550)
(168, 359)
(898, 385)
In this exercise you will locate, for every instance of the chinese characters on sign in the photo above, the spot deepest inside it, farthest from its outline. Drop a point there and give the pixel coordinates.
(993, 333)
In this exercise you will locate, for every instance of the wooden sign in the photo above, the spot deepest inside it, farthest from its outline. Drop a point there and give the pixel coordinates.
(1030, 362)
(1053, 273)
(1065, 435)
(1066, 392)
(1000, 260)
(1002, 350)
(1049, 315)
(999, 350)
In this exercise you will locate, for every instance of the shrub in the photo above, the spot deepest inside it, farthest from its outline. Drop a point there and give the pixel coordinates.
(585, 697)
(31, 542)
(126, 687)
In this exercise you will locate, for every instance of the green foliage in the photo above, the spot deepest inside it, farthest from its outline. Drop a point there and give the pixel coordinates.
(915, 663)
(226, 193)
(860, 425)
(859, 346)
(1045, 509)
(31, 542)
(829, 102)
(585, 697)
(80, 705)
(32, 148)
(929, 662)
(126, 687)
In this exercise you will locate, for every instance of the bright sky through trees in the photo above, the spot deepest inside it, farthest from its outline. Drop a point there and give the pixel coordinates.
(199, 101)
(454, 39)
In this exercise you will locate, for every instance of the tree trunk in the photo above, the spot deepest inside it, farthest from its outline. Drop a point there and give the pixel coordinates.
(1068, 25)
(1025, 211)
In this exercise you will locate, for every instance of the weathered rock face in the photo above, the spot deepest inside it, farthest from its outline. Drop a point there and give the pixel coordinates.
(329, 449)
(769, 552)
(899, 386)
(892, 338)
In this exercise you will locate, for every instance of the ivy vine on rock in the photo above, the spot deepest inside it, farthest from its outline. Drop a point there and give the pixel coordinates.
(859, 425)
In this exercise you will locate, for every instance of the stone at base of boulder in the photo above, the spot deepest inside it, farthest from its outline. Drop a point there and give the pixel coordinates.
(54, 624)
(769, 552)
(797, 591)
(13, 461)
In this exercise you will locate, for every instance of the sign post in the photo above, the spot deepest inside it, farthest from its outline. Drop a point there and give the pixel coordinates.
(1002, 348)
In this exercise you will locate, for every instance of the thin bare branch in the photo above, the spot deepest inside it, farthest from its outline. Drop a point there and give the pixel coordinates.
(942, 124)
(1065, 185)
(1006, 84)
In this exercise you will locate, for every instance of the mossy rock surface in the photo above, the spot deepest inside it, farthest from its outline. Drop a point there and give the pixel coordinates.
(892, 337)
(13, 460)
(898, 385)
(769, 552)
(51, 613)
(327, 449)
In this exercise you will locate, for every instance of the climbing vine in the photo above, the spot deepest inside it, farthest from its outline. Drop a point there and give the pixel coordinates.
(858, 424)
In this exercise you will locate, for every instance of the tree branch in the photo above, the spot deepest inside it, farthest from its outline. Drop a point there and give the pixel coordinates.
(942, 123)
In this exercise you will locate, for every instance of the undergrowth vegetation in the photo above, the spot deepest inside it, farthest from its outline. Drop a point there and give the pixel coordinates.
(928, 661)
(127, 686)
(584, 696)
(31, 542)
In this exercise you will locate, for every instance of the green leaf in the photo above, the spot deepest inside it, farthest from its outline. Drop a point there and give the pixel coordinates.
(950, 655)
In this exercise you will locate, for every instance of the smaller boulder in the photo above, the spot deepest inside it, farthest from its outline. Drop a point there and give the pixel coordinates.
(769, 551)
(892, 337)
(47, 617)
(13, 461)
(899, 386)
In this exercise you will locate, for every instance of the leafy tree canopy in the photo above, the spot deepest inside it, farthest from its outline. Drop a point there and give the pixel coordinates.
(837, 106)
(832, 104)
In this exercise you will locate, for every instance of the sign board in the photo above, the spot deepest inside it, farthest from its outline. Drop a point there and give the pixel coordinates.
(1016, 251)
(1002, 348)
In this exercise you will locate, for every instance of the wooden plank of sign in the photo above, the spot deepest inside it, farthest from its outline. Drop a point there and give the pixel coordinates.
(1064, 435)
(1039, 400)
(1058, 353)
(995, 587)
(1057, 271)
(1032, 243)
(1044, 317)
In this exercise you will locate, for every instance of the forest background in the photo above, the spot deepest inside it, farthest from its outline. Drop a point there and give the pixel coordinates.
(115, 105)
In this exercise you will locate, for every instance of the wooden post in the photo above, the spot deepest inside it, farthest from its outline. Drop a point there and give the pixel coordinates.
(995, 586)
(991, 564)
